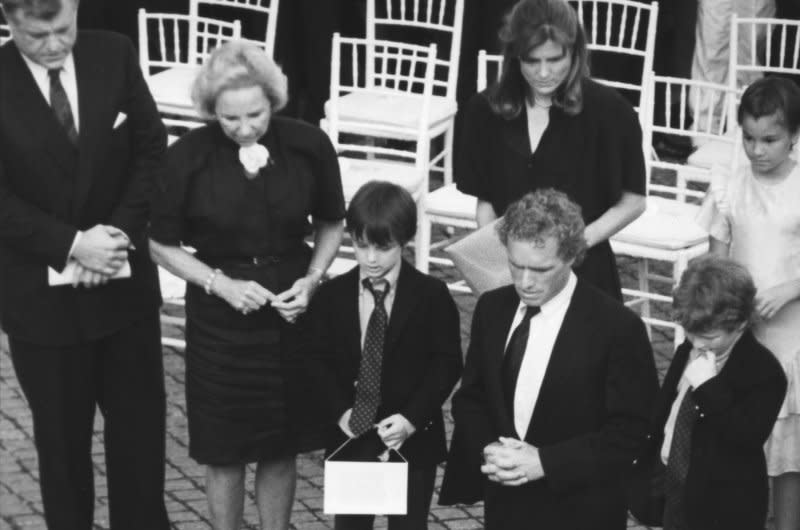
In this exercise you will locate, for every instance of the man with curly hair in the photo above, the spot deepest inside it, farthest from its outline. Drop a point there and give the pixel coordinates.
(557, 387)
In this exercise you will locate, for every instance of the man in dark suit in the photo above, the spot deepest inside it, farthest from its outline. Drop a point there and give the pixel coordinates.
(418, 357)
(544, 431)
(79, 139)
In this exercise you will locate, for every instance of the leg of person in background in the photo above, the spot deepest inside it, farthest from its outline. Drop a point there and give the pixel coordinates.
(744, 48)
(710, 62)
(786, 501)
(225, 492)
(275, 484)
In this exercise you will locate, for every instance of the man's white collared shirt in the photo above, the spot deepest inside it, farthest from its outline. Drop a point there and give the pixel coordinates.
(68, 80)
(543, 332)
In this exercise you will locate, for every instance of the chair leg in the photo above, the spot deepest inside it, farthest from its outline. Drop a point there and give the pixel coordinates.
(677, 271)
(423, 240)
(644, 286)
(448, 157)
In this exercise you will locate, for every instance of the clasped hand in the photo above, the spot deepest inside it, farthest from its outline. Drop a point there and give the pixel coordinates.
(511, 462)
(248, 296)
(99, 253)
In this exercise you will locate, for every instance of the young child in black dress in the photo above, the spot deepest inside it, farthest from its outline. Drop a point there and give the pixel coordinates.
(390, 336)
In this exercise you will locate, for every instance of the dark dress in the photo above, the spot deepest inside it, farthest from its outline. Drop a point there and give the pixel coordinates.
(592, 157)
(236, 365)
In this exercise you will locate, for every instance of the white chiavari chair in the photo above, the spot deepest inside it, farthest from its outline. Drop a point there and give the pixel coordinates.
(171, 49)
(373, 68)
(667, 231)
(260, 13)
(441, 22)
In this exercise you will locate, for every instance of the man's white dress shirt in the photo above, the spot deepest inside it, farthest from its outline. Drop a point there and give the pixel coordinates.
(543, 332)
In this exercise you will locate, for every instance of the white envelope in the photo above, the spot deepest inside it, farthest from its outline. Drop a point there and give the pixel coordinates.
(65, 277)
(121, 117)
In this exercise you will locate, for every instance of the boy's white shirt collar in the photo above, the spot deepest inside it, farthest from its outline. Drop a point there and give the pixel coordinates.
(391, 276)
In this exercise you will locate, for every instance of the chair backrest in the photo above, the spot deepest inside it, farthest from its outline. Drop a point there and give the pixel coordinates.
(490, 66)
(5, 34)
(168, 40)
(261, 13)
(440, 20)
(773, 45)
(622, 28)
(674, 179)
(399, 69)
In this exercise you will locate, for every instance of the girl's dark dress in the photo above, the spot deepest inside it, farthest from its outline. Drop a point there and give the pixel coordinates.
(237, 394)
(592, 157)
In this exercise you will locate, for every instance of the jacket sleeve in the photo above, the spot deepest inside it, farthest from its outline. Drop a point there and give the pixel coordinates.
(742, 419)
(630, 389)
(148, 142)
(25, 227)
(445, 365)
(463, 481)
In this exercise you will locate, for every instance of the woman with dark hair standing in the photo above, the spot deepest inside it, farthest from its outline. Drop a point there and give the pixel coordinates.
(545, 124)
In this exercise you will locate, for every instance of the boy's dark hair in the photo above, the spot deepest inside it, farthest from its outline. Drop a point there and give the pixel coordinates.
(714, 293)
(382, 213)
(771, 95)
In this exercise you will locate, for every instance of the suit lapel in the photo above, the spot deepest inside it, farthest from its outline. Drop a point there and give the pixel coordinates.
(402, 307)
(90, 96)
(347, 309)
(573, 340)
(496, 346)
(39, 116)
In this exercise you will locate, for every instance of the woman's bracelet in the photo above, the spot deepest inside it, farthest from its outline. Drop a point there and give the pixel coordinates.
(317, 272)
(209, 283)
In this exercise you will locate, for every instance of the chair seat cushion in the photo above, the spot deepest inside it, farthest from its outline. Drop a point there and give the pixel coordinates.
(356, 173)
(379, 108)
(173, 87)
(710, 154)
(666, 224)
(447, 201)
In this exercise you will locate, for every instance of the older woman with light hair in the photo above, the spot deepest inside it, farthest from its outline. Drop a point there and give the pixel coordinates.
(240, 191)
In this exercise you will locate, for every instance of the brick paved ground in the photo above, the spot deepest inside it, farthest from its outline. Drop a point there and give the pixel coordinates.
(20, 500)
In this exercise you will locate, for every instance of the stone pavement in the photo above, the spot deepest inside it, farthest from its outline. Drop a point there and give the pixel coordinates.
(20, 499)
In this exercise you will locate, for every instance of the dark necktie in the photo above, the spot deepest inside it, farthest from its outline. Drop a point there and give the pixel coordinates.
(60, 104)
(678, 465)
(369, 372)
(515, 352)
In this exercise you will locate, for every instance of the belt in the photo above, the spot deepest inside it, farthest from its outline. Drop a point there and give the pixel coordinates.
(215, 261)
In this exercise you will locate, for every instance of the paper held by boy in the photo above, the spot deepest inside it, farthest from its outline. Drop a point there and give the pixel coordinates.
(359, 487)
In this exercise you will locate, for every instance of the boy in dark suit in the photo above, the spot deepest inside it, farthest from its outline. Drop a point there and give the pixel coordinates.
(390, 337)
(717, 406)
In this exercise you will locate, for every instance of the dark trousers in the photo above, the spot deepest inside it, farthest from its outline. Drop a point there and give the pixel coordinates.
(123, 375)
(420, 491)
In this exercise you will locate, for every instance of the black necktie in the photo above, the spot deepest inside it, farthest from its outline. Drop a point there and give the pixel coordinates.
(60, 104)
(678, 464)
(368, 388)
(515, 352)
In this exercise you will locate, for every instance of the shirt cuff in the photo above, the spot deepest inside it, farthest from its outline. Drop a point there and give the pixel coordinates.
(75, 241)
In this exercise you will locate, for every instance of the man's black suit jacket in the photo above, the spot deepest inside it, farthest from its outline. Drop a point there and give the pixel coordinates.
(590, 419)
(49, 190)
(422, 358)
(727, 482)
